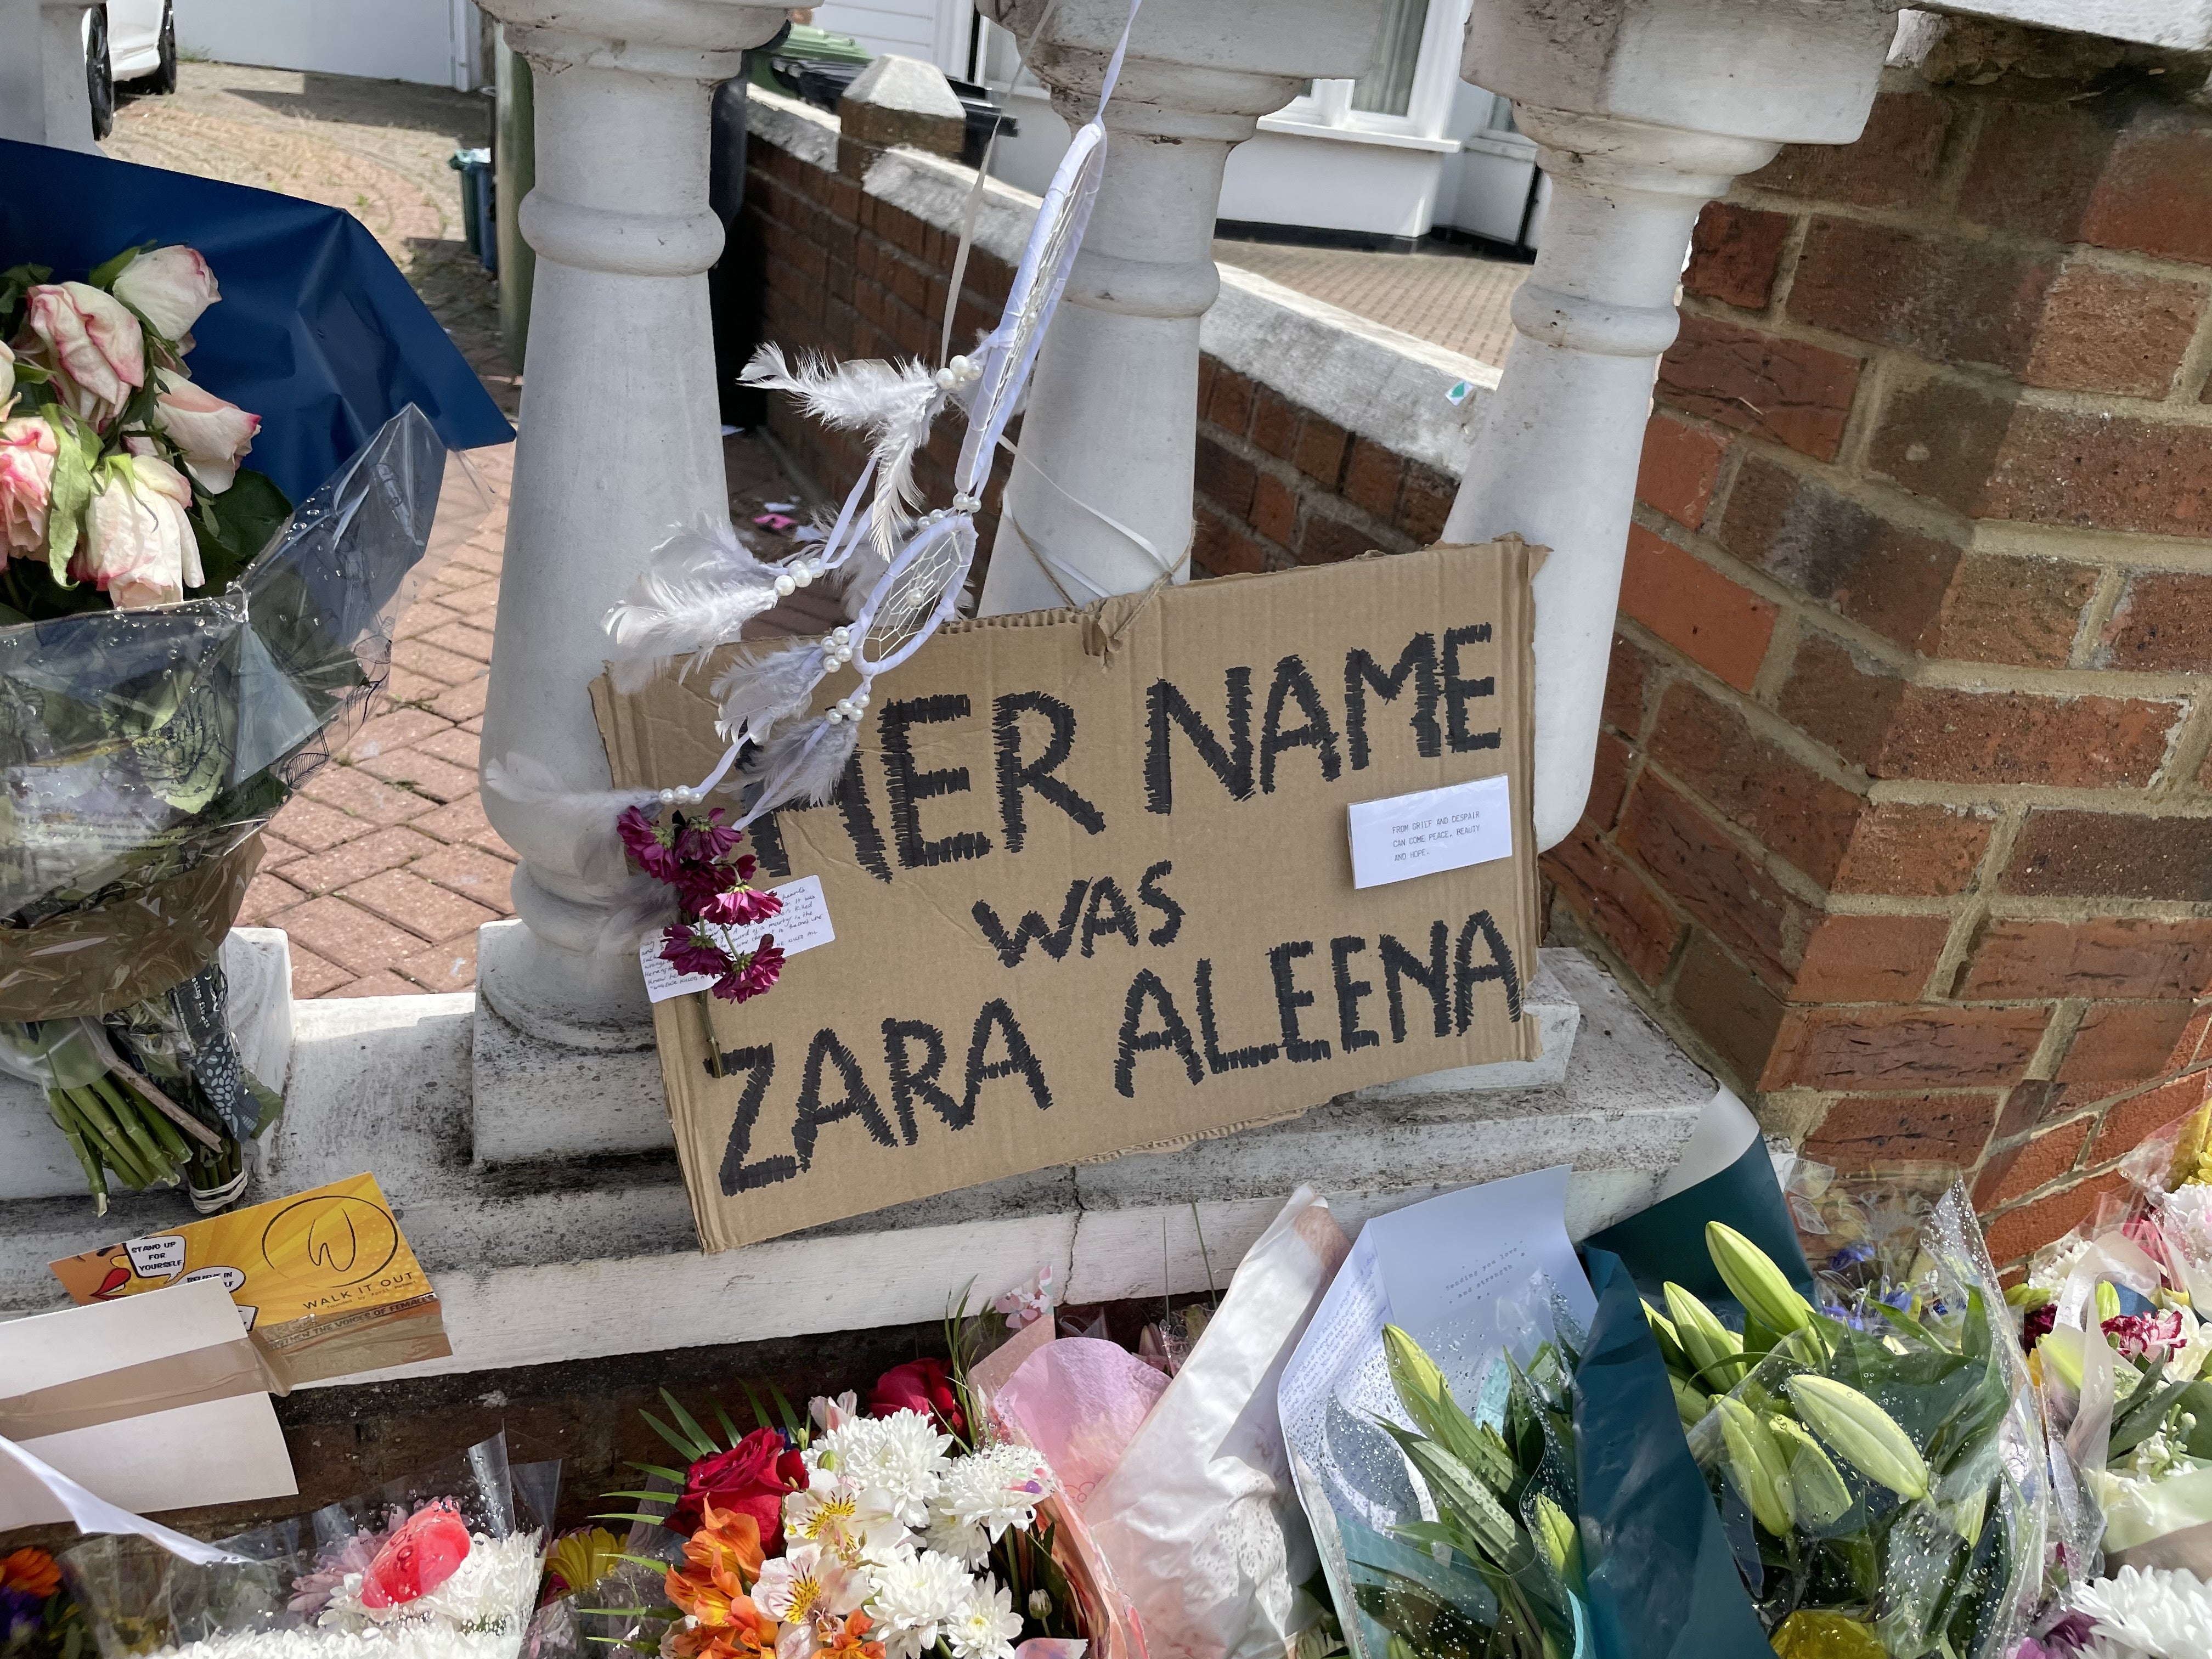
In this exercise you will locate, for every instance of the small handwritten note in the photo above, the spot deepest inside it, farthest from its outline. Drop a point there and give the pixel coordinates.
(804, 924)
(1419, 835)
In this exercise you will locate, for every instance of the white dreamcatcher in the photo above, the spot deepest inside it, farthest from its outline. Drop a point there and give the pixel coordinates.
(705, 585)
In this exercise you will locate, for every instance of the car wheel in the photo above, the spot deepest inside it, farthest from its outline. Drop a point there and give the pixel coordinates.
(164, 78)
(99, 72)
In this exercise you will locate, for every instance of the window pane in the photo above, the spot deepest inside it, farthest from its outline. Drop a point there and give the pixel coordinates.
(1386, 89)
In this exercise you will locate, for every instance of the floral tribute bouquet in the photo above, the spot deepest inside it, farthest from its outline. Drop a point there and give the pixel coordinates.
(37, 1619)
(696, 859)
(443, 1564)
(178, 639)
(883, 1534)
(1878, 1461)
(2109, 1318)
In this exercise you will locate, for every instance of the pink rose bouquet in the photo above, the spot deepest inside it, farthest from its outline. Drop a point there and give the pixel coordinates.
(120, 479)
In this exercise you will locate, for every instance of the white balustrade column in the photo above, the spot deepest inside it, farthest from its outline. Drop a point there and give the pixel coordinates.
(1112, 419)
(69, 96)
(620, 439)
(1644, 111)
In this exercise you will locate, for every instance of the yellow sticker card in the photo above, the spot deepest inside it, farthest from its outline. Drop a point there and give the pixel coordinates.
(324, 1280)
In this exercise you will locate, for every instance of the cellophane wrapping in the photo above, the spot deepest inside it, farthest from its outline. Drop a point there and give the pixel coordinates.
(443, 1563)
(142, 751)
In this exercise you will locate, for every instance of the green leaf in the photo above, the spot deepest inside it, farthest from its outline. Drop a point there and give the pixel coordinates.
(783, 1408)
(691, 1454)
(104, 274)
(2143, 1421)
(679, 1476)
(69, 493)
(1457, 1487)
(760, 1412)
(689, 1425)
(233, 528)
(728, 1427)
(631, 1514)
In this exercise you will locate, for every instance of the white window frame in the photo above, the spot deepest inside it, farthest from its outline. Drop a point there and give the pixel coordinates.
(1327, 113)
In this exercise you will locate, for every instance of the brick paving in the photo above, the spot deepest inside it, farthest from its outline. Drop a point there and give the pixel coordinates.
(384, 865)
(1454, 297)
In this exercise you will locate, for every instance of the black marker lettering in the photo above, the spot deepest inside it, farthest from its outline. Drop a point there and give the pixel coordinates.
(858, 1100)
(1349, 991)
(1417, 659)
(1458, 692)
(1236, 1059)
(1016, 775)
(1054, 941)
(1020, 1058)
(1399, 963)
(907, 787)
(1149, 894)
(1466, 975)
(738, 1176)
(859, 818)
(1233, 766)
(1173, 1033)
(1096, 920)
(908, 1084)
(1289, 999)
(1292, 681)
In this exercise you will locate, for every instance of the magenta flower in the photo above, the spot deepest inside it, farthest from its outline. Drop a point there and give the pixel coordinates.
(690, 951)
(759, 973)
(705, 841)
(740, 907)
(2145, 1336)
(646, 850)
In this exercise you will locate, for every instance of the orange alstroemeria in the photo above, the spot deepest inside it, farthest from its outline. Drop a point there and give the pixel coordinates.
(848, 1640)
(742, 1632)
(31, 1570)
(720, 1561)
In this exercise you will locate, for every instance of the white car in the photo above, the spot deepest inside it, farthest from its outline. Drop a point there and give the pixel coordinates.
(127, 40)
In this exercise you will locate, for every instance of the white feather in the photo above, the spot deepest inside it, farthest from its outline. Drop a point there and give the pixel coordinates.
(702, 588)
(757, 690)
(893, 403)
(805, 762)
(644, 906)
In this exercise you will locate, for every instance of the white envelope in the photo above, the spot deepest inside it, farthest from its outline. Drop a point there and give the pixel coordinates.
(157, 1401)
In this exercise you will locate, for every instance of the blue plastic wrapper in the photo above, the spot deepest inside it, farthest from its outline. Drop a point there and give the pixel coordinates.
(142, 750)
(317, 331)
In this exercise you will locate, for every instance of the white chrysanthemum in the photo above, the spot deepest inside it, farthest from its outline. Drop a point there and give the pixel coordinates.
(915, 1599)
(901, 1456)
(481, 1612)
(2148, 1613)
(2054, 1262)
(969, 1545)
(987, 1624)
(2186, 1221)
(996, 1488)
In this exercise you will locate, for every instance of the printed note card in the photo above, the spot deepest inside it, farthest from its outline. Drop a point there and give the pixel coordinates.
(1434, 829)
(803, 924)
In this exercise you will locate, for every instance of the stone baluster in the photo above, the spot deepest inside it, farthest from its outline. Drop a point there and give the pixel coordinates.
(1112, 418)
(1643, 112)
(620, 441)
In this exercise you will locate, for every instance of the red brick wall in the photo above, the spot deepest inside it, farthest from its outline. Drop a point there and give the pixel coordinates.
(1902, 811)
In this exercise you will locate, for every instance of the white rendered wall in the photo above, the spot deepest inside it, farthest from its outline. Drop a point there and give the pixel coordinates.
(429, 41)
(935, 31)
(1332, 183)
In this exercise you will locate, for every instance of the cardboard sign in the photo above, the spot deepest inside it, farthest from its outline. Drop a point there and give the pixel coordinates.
(1092, 883)
(324, 1280)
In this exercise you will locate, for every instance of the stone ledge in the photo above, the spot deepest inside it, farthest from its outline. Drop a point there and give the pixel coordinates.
(575, 1258)
(1367, 378)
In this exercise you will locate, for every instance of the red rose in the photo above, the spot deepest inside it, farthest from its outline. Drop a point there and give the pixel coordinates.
(751, 1478)
(919, 1385)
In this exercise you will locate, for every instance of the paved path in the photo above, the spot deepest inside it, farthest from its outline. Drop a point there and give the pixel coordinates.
(1453, 297)
(384, 865)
